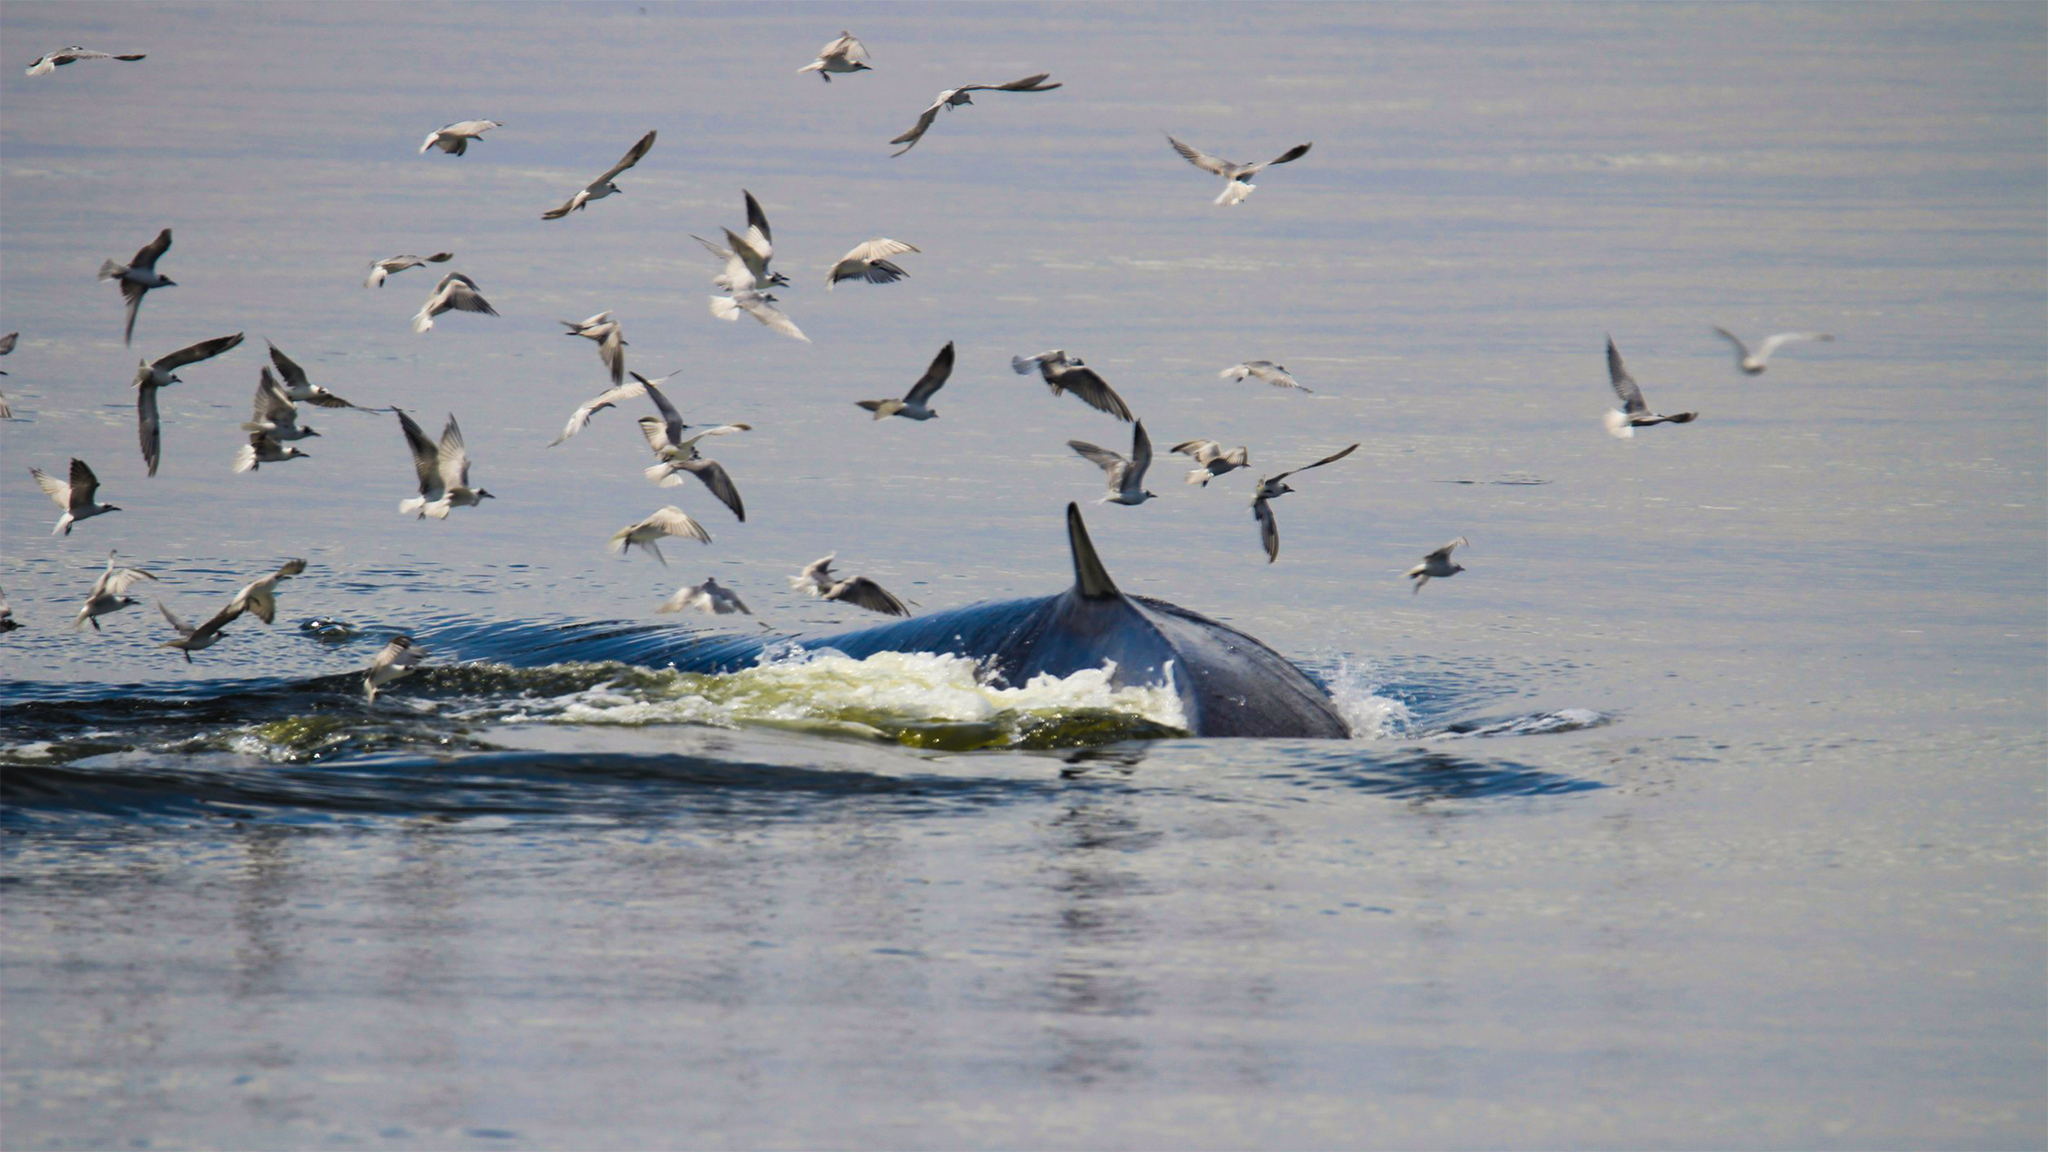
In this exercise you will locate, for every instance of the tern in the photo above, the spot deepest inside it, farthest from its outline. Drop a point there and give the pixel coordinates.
(1271, 373)
(273, 413)
(1237, 178)
(710, 597)
(381, 269)
(1271, 488)
(454, 139)
(138, 276)
(866, 262)
(109, 593)
(1212, 460)
(954, 97)
(746, 256)
(1063, 374)
(676, 453)
(602, 187)
(1634, 413)
(859, 591)
(75, 498)
(668, 521)
(455, 292)
(846, 54)
(264, 448)
(442, 469)
(916, 403)
(192, 639)
(1438, 564)
(1753, 362)
(1126, 477)
(398, 658)
(259, 596)
(51, 61)
(301, 389)
(610, 340)
(150, 376)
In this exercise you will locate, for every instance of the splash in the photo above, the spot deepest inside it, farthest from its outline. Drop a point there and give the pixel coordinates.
(1355, 690)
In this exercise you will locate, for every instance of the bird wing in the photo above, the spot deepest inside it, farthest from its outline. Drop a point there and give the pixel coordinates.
(1027, 84)
(148, 426)
(1624, 384)
(1093, 389)
(116, 581)
(193, 354)
(924, 122)
(673, 521)
(1444, 553)
(1741, 349)
(179, 626)
(934, 377)
(133, 294)
(426, 458)
(876, 249)
(1141, 455)
(1294, 153)
(671, 419)
(1335, 456)
(459, 292)
(287, 368)
(54, 488)
(768, 314)
(862, 592)
(1274, 374)
(598, 403)
(218, 621)
(816, 576)
(1105, 459)
(847, 47)
(656, 432)
(755, 260)
(714, 476)
(1202, 450)
(1201, 159)
(633, 156)
(1269, 528)
(453, 456)
(1783, 338)
(146, 256)
(757, 220)
(7, 342)
(612, 351)
(272, 409)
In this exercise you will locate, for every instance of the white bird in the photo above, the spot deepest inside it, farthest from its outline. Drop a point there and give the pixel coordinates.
(610, 340)
(866, 262)
(746, 257)
(51, 61)
(442, 469)
(916, 404)
(1271, 373)
(676, 453)
(138, 276)
(6, 346)
(7, 621)
(263, 448)
(75, 498)
(602, 187)
(954, 97)
(455, 292)
(1211, 459)
(109, 593)
(1634, 413)
(1062, 374)
(380, 269)
(273, 414)
(398, 658)
(710, 597)
(1126, 477)
(301, 389)
(667, 521)
(1437, 563)
(192, 639)
(260, 596)
(845, 54)
(454, 139)
(1753, 362)
(580, 418)
(150, 376)
(759, 305)
(1271, 488)
(1237, 178)
(859, 591)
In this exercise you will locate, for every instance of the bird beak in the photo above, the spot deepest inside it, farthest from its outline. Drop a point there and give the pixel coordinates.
(168, 283)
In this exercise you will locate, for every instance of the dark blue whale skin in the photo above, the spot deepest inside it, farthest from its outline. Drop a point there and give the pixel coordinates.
(1229, 683)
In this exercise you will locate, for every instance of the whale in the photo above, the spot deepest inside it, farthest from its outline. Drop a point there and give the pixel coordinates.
(1229, 683)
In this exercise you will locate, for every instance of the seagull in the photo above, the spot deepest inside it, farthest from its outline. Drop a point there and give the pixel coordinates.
(1271, 373)
(1213, 461)
(1073, 375)
(845, 54)
(746, 256)
(455, 138)
(1753, 362)
(710, 597)
(260, 596)
(1437, 563)
(602, 187)
(379, 269)
(610, 340)
(398, 658)
(1271, 489)
(51, 61)
(273, 414)
(75, 498)
(866, 262)
(192, 639)
(916, 403)
(676, 453)
(455, 291)
(1126, 477)
(668, 521)
(138, 276)
(264, 448)
(7, 621)
(759, 305)
(150, 376)
(1237, 178)
(443, 471)
(299, 388)
(859, 591)
(954, 97)
(1634, 413)
(109, 594)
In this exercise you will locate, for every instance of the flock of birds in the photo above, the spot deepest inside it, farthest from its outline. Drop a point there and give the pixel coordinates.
(442, 466)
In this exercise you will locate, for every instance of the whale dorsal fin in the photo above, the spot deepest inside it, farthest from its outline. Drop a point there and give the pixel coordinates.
(1091, 579)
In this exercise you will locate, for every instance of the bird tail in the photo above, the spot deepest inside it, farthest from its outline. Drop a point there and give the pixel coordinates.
(376, 279)
(245, 460)
(112, 270)
(1022, 366)
(1199, 476)
(1618, 425)
(413, 504)
(725, 308)
(657, 472)
(817, 66)
(881, 408)
(421, 321)
(1234, 192)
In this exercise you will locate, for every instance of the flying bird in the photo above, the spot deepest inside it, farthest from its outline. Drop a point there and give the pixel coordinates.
(1062, 374)
(1271, 488)
(1237, 178)
(602, 187)
(273, 414)
(1126, 477)
(264, 448)
(1634, 413)
(580, 418)
(301, 389)
(192, 639)
(845, 54)
(954, 97)
(260, 596)
(138, 276)
(75, 498)
(1211, 460)
(610, 340)
(859, 591)
(668, 521)
(759, 305)
(1753, 362)
(7, 344)
(916, 404)
(746, 257)
(455, 292)
(676, 453)
(442, 469)
(866, 262)
(710, 597)
(1271, 373)
(398, 658)
(151, 376)
(380, 269)
(109, 594)
(454, 139)
(1438, 564)
(51, 61)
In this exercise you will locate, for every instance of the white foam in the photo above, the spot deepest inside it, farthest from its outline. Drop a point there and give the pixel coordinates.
(1354, 688)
